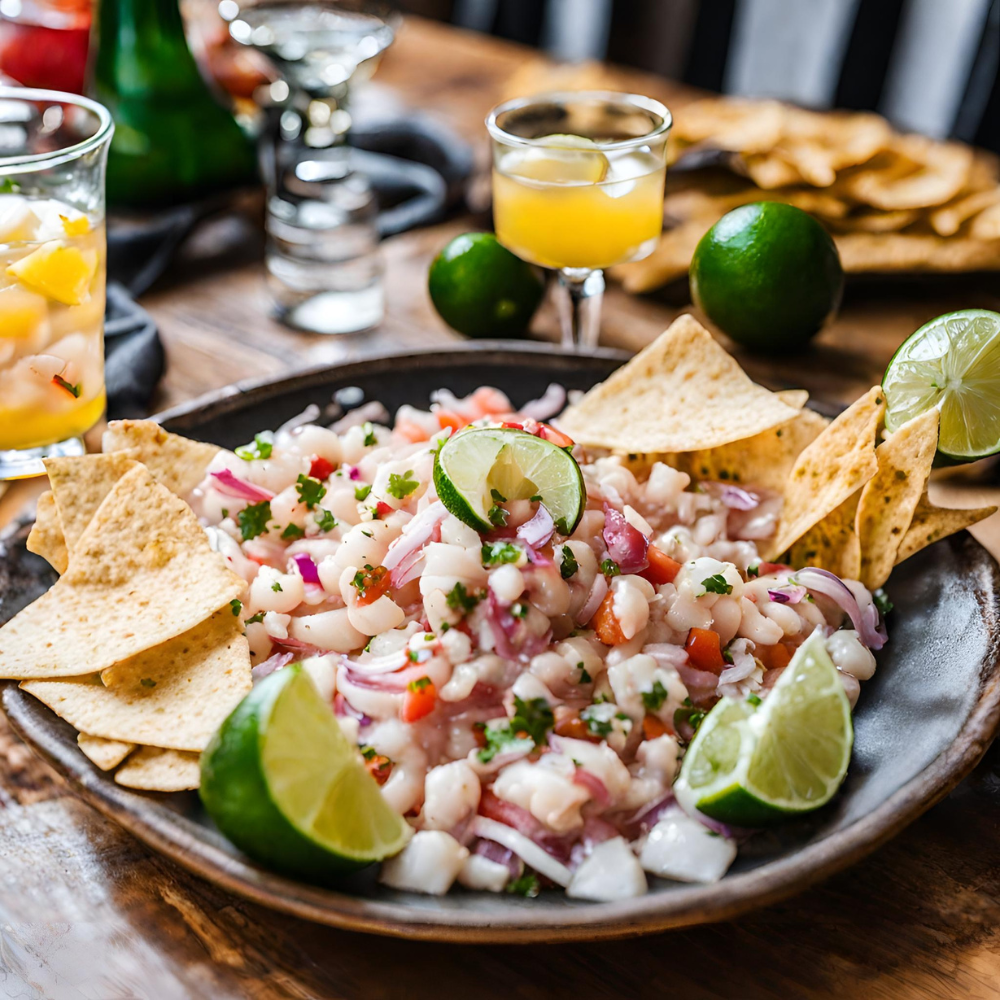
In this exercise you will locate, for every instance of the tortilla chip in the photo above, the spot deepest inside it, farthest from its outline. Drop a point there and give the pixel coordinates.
(177, 462)
(682, 393)
(832, 543)
(151, 769)
(142, 573)
(947, 220)
(888, 253)
(889, 499)
(79, 485)
(46, 536)
(106, 754)
(738, 125)
(174, 695)
(986, 225)
(873, 220)
(764, 460)
(930, 524)
(830, 470)
(771, 171)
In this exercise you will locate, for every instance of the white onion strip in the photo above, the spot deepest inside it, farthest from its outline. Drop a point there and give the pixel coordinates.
(527, 850)
(597, 594)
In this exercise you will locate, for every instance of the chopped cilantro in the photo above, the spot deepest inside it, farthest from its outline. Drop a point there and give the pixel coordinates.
(292, 531)
(367, 534)
(654, 699)
(610, 568)
(537, 498)
(525, 885)
(717, 585)
(498, 553)
(276, 587)
(413, 656)
(419, 684)
(369, 752)
(569, 565)
(401, 486)
(310, 490)
(369, 433)
(497, 516)
(497, 496)
(753, 699)
(689, 714)
(753, 570)
(882, 602)
(585, 678)
(445, 626)
(519, 609)
(597, 725)
(255, 619)
(361, 493)
(460, 599)
(9, 186)
(260, 448)
(236, 605)
(73, 390)
(325, 520)
(252, 520)
(225, 512)
(526, 730)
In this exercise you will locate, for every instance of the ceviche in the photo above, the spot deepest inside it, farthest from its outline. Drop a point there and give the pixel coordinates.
(575, 642)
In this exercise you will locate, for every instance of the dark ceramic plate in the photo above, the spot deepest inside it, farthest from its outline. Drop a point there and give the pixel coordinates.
(921, 725)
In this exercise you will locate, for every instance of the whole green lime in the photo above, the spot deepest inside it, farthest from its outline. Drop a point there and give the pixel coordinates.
(768, 275)
(481, 289)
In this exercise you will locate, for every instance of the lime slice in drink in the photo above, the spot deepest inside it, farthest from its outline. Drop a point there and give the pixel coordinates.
(477, 467)
(756, 766)
(953, 363)
(285, 786)
(564, 159)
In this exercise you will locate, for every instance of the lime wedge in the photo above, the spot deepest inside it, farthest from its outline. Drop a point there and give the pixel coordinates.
(286, 787)
(564, 159)
(474, 464)
(953, 363)
(756, 766)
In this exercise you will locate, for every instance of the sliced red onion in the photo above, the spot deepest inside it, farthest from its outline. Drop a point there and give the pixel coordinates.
(734, 497)
(547, 405)
(492, 851)
(597, 789)
(527, 850)
(743, 664)
(355, 474)
(511, 638)
(387, 680)
(866, 620)
(647, 816)
(375, 665)
(307, 568)
(597, 594)
(341, 706)
(373, 411)
(537, 558)
(787, 593)
(667, 654)
(230, 485)
(417, 533)
(303, 647)
(700, 684)
(626, 544)
(272, 663)
(539, 529)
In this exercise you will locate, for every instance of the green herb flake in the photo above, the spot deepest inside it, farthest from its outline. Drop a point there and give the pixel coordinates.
(459, 599)
(717, 585)
(369, 432)
(148, 682)
(73, 390)
(325, 520)
(525, 885)
(292, 531)
(401, 486)
(753, 700)
(569, 565)
(527, 729)
(500, 553)
(497, 516)
(419, 684)
(585, 678)
(654, 699)
(361, 493)
(610, 568)
(261, 447)
(236, 606)
(882, 602)
(252, 520)
(310, 491)
(276, 587)
(497, 496)
(255, 619)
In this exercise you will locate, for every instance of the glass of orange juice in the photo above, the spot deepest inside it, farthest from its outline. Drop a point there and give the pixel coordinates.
(578, 186)
(53, 149)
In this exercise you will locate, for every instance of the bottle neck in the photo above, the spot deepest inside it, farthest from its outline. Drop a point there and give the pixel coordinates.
(141, 48)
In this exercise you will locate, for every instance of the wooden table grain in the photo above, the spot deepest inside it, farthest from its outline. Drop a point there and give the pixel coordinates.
(88, 912)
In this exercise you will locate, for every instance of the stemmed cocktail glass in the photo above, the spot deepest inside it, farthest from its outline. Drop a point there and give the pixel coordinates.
(578, 186)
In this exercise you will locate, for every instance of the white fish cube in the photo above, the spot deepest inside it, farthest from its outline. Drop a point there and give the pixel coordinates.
(429, 863)
(681, 848)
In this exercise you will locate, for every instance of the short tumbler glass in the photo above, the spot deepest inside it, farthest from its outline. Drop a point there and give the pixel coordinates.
(53, 263)
(578, 186)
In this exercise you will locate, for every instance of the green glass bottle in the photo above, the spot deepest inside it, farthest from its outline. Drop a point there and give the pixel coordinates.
(173, 141)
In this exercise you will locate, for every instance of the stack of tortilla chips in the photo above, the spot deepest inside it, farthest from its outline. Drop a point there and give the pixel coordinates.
(138, 644)
(854, 500)
(892, 202)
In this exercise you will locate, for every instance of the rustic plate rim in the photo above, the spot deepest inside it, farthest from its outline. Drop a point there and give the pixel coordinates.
(166, 832)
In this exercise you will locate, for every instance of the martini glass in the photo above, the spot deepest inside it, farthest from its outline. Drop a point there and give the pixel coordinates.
(578, 187)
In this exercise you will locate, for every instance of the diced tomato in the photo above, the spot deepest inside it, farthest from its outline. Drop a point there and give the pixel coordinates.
(379, 767)
(511, 425)
(653, 726)
(606, 625)
(774, 657)
(412, 432)
(446, 418)
(320, 469)
(704, 650)
(766, 568)
(661, 568)
(419, 700)
(557, 438)
(374, 583)
(382, 508)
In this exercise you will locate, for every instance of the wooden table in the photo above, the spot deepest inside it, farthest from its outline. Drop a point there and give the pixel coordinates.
(88, 912)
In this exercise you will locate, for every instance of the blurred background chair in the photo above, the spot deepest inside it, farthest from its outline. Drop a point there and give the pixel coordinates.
(927, 65)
